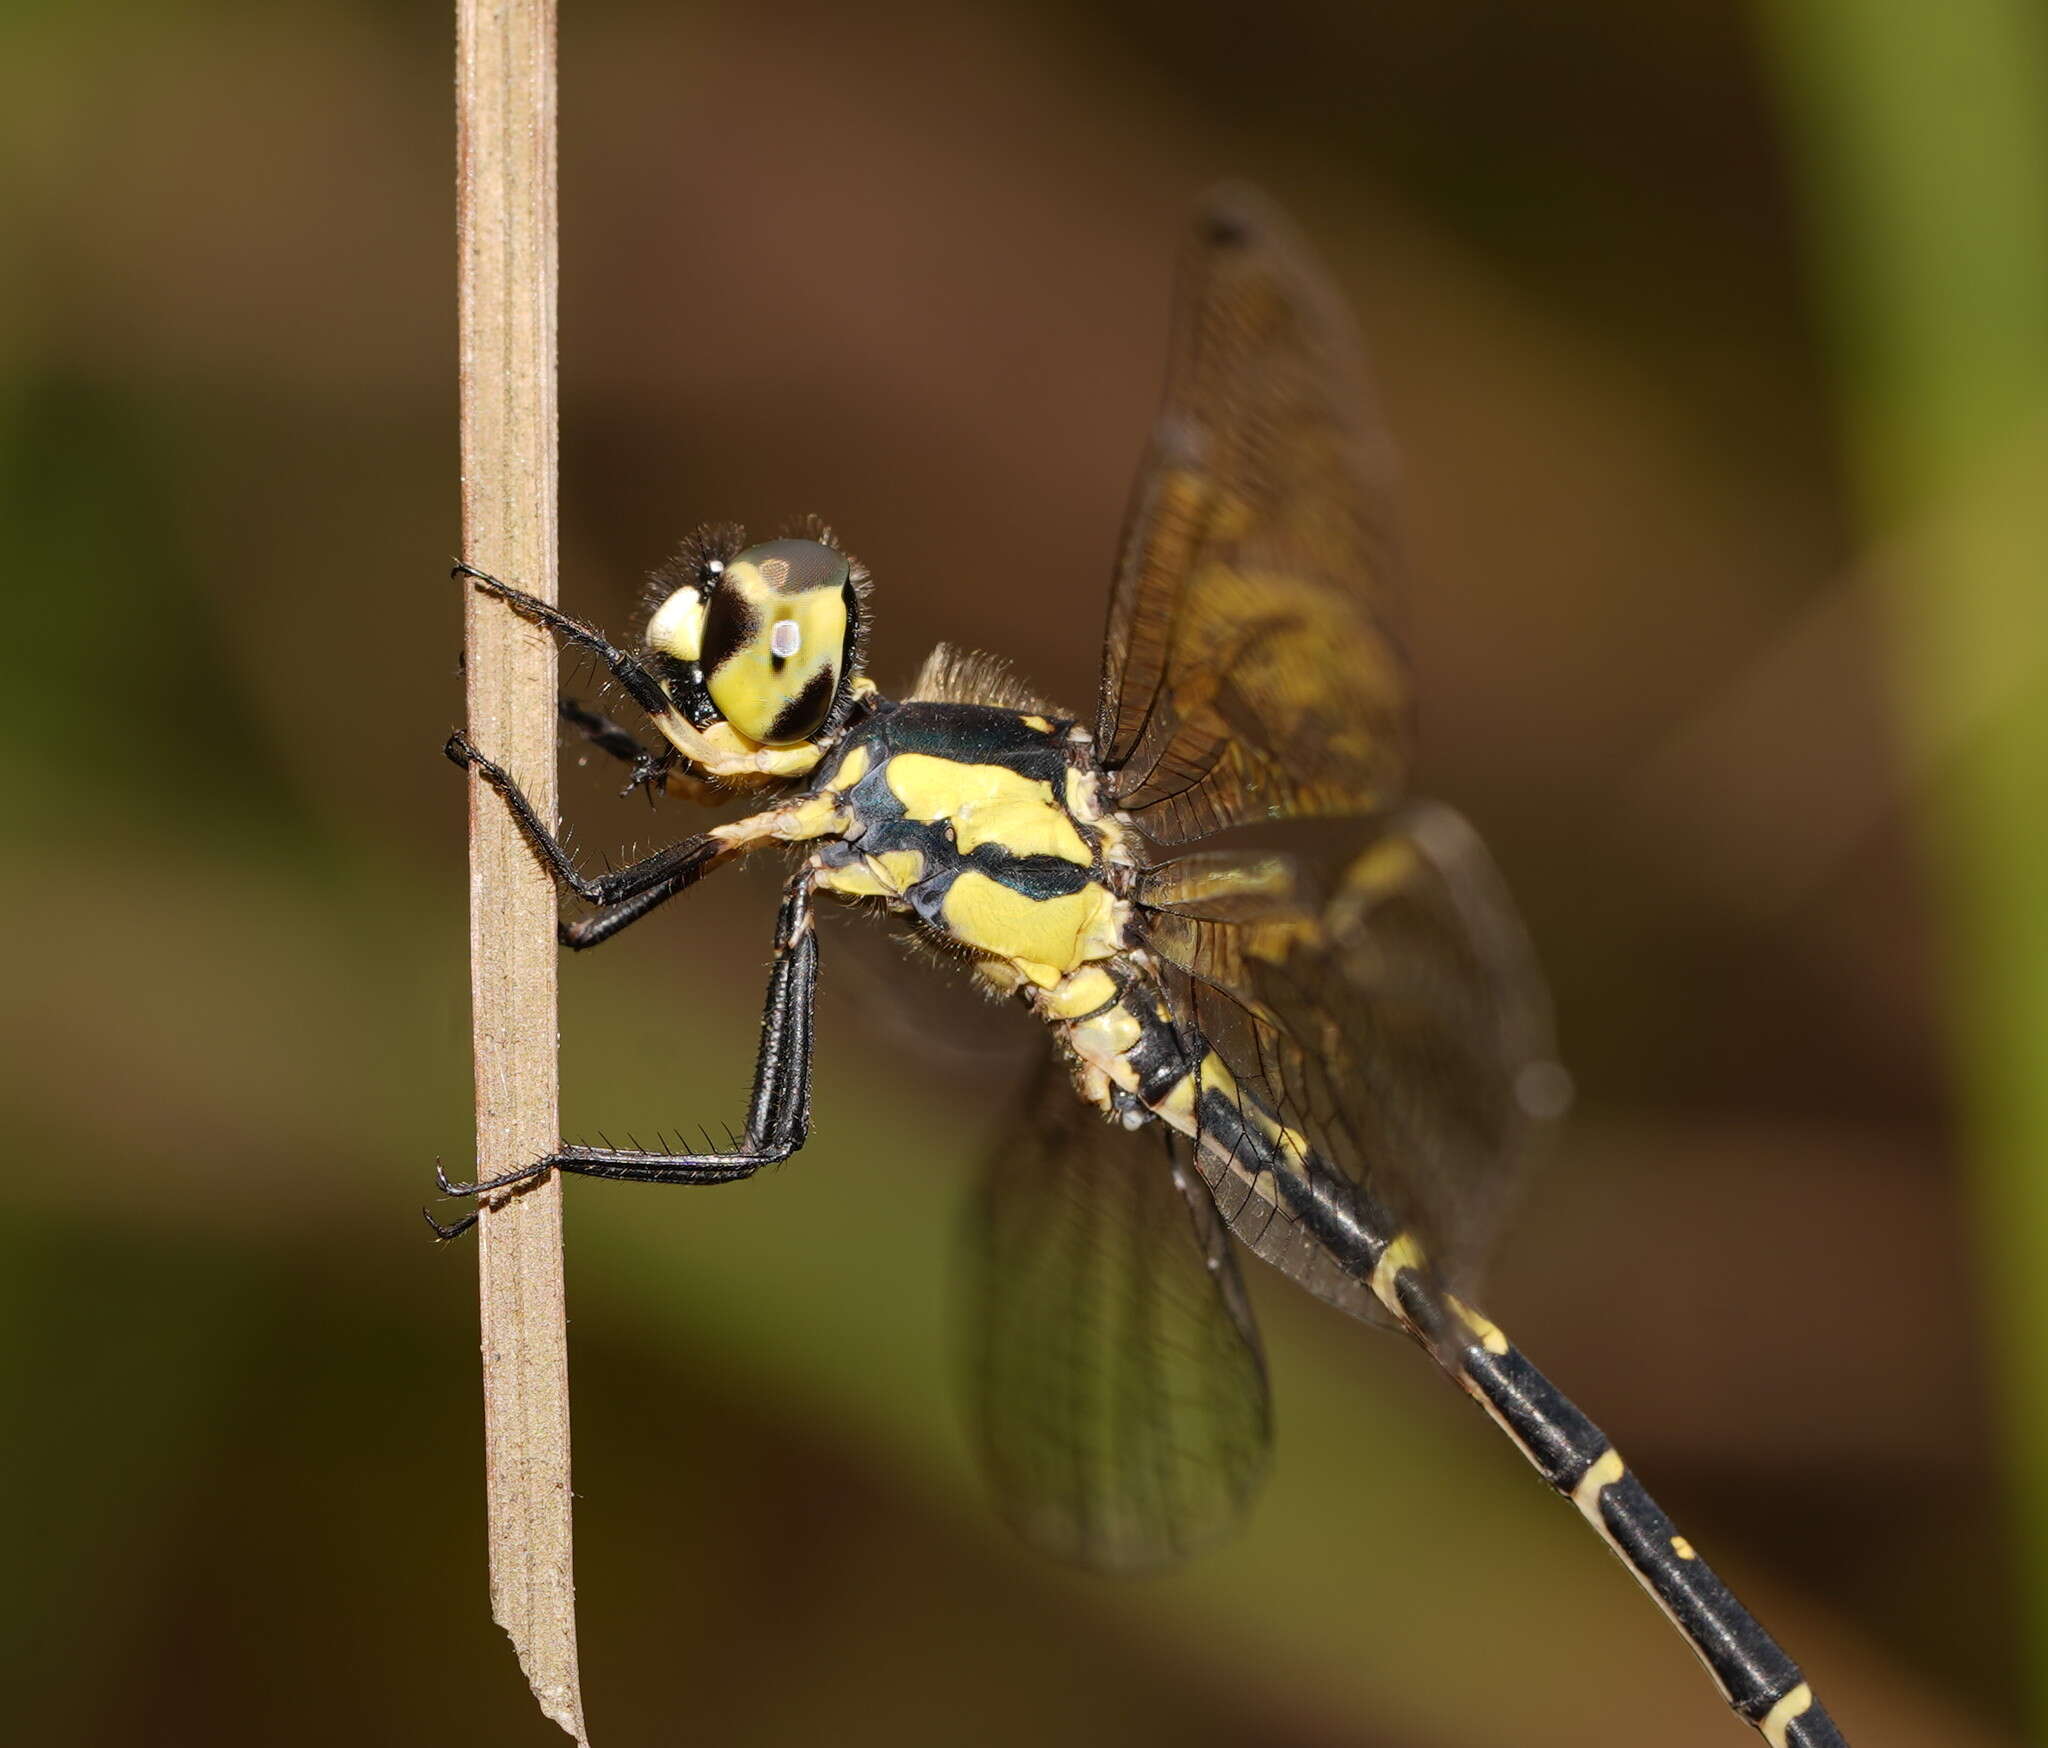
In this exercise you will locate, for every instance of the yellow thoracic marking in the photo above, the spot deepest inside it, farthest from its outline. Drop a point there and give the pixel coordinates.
(1039, 723)
(1683, 1548)
(1602, 1473)
(1083, 801)
(851, 770)
(1778, 1720)
(889, 875)
(1109, 1034)
(988, 804)
(1045, 937)
(1488, 1332)
(1081, 993)
(1402, 1252)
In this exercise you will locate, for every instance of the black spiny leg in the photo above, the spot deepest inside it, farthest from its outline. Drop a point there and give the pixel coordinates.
(650, 770)
(778, 1115)
(627, 894)
(645, 689)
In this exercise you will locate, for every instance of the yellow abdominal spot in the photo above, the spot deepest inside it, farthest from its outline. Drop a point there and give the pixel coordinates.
(1289, 1141)
(1777, 1722)
(987, 804)
(1178, 1107)
(1488, 1332)
(1044, 937)
(1606, 1469)
(1401, 1253)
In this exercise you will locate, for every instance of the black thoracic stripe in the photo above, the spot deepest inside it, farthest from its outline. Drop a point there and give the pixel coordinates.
(1563, 1445)
(975, 734)
(1034, 876)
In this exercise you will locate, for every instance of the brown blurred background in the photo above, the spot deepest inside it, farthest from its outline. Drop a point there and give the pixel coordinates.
(909, 268)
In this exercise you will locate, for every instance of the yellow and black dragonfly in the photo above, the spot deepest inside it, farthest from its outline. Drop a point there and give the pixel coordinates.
(1339, 1066)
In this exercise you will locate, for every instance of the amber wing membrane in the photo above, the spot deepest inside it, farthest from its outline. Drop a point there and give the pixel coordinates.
(1392, 1015)
(1248, 673)
(1119, 1385)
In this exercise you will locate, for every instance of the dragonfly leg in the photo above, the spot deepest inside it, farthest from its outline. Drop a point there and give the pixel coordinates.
(641, 885)
(778, 1114)
(651, 770)
(646, 691)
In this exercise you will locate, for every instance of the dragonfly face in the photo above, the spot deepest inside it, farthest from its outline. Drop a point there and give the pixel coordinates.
(1335, 1062)
(757, 650)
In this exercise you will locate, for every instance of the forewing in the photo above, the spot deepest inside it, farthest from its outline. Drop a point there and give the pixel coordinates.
(1119, 1386)
(1394, 1016)
(1248, 673)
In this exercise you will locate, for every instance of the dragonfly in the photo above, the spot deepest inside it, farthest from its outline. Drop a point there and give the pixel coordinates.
(1338, 1062)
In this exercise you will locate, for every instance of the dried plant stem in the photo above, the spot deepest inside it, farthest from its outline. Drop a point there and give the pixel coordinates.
(505, 197)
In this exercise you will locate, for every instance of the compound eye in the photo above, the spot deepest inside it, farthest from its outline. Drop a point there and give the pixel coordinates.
(774, 640)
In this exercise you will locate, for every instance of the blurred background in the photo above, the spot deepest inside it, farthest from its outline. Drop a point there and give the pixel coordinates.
(1713, 337)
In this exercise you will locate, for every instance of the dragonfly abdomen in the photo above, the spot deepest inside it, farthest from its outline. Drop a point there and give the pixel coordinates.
(1247, 1154)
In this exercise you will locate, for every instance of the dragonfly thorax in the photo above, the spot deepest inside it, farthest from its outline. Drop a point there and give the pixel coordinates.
(982, 823)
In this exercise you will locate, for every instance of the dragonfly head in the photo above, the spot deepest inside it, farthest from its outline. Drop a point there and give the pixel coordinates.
(760, 648)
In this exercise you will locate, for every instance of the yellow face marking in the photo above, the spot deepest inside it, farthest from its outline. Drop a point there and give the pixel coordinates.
(987, 804)
(722, 751)
(798, 637)
(1683, 1548)
(1081, 993)
(1401, 1253)
(1605, 1469)
(1488, 1332)
(1778, 1720)
(1045, 937)
(677, 628)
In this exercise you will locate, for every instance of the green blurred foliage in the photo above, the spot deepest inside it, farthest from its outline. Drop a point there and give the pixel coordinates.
(911, 272)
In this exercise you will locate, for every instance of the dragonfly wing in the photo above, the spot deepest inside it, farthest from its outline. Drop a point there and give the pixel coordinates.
(1392, 1015)
(1120, 1388)
(1248, 673)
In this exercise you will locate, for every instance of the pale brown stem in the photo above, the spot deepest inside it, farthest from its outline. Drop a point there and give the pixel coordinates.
(505, 209)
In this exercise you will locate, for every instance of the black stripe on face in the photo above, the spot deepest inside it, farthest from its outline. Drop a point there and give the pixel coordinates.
(729, 622)
(804, 713)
